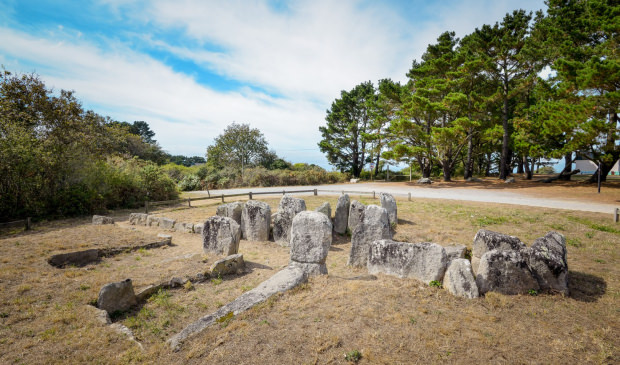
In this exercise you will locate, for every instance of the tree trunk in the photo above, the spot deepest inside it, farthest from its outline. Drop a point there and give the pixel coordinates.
(447, 171)
(487, 168)
(377, 164)
(504, 161)
(568, 164)
(520, 169)
(526, 166)
(469, 163)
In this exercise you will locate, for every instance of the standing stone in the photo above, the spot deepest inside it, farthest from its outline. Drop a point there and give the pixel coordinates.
(100, 219)
(152, 221)
(374, 226)
(389, 203)
(138, 219)
(341, 217)
(485, 241)
(117, 297)
(547, 261)
(166, 223)
(220, 235)
(231, 210)
(422, 261)
(283, 219)
(505, 272)
(356, 211)
(311, 237)
(256, 219)
(326, 209)
(455, 252)
(459, 279)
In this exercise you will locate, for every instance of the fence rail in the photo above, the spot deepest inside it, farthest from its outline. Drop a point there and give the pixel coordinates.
(26, 223)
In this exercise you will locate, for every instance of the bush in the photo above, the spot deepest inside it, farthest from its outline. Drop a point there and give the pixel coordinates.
(190, 183)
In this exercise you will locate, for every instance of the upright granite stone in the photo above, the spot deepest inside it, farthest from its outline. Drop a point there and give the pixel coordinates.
(231, 210)
(505, 272)
(256, 220)
(547, 262)
(283, 219)
(326, 209)
(375, 225)
(422, 261)
(485, 241)
(117, 297)
(389, 203)
(311, 237)
(356, 211)
(100, 219)
(341, 217)
(220, 235)
(138, 219)
(459, 279)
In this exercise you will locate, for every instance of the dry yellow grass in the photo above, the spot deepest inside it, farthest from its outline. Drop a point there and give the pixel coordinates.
(45, 315)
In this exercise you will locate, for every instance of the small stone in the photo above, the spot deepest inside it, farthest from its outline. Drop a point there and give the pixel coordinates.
(425, 180)
(459, 279)
(177, 281)
(100, 219)
(147, 292)
(116, 297)
(509, 180)
(232, 264)
(152, 221)
(341, 217)
(184, 227)
(166, 223)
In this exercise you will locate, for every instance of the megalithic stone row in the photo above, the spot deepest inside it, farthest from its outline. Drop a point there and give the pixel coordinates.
(375, 225)
(311, 237)
(256, 221)
(341, 217)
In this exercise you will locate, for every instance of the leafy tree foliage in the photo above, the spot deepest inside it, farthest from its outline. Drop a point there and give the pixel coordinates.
(186, 161)
(239, 146)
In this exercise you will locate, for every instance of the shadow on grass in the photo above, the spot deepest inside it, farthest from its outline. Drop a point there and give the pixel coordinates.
(585, 287)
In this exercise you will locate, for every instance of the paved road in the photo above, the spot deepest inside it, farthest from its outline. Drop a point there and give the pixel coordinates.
(478, 195)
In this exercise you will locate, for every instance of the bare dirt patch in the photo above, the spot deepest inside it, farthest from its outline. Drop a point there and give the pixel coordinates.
(44, 315)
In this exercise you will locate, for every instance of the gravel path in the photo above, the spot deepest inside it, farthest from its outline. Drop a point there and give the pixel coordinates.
(477, 195)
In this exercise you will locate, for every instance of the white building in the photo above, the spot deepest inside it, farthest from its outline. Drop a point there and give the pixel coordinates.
(589, 167)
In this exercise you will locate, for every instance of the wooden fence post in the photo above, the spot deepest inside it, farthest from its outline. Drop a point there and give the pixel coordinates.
(617, 215)
(28, 224)
(189, 202)
(409, 194)
(146, 206)
(222, 198)
(373, 194)
(315, 192)
(250, 195)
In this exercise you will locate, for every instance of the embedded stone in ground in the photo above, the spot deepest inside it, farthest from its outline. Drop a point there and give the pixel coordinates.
(326, 209)
(231, 210)
(389, 203)
(117, 297)
(547, 262)
(166, 223)
(505, 272)
(232, 264)
(221, 235)
(138, 219)
(184, 227)
(422, 261)
(356, 211)
(374, 226)
(100, 219)
(311, 237)
(256, 220)
(485, 241)
(341, 217)
(283, 219)
(152, 221)
(459, 279)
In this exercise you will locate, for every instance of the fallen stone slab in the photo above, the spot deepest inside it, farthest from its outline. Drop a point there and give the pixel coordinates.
(284, 280)
(311, 237)
(231, 210)
(485, 241)
(326, 209)
(459, 279)
(78, 258)
(232, 264)
(356, 212)
(146, 292)
(424, 261)
(100, 219)
(116, 297)
(374, 226)
(221, 235)
(341, 217)
(547, 262)
(389, 203)
(505, 272)
(138, 219)
(256, 221)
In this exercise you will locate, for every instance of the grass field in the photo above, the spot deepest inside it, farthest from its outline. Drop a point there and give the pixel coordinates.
(45, 316)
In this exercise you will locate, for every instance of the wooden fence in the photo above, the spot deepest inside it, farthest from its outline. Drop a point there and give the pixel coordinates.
(26, 223)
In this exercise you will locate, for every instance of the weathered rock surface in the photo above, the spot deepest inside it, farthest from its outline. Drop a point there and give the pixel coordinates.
(341, 217)
(166, 223)
(138, 219)
(116, 297)
(221, 235)
(485, 241)
(152, 221)
(232, 264)
(459, 279)
(146, 292)
(425, 180)
(356, 211)
(547, 262)
(177, 281)
(311, 237)
(283, 219)
(256, 221)
(505, 272)
(375, 225)
(184, 227)
(455, 252)
(231, 210)
(100, 219)
(326, 209)
(509, 180)
(389, 203)
(198, 228)
(283, 280)
(422, 261)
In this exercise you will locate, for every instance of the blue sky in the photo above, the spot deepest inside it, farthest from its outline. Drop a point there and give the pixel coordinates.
(191, 67)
